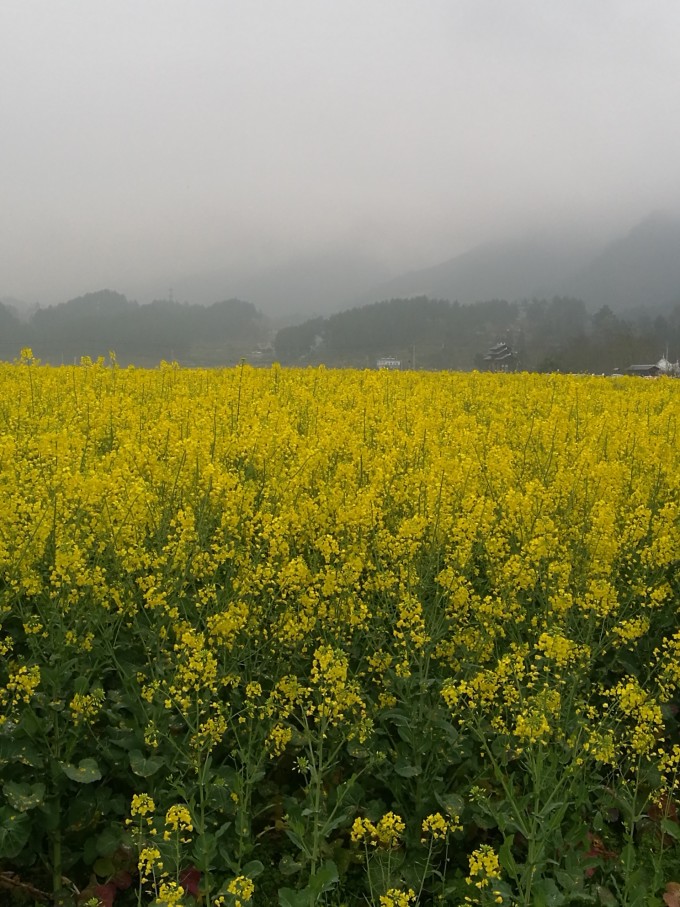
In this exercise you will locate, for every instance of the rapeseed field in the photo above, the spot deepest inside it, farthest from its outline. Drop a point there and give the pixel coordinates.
(295, 637)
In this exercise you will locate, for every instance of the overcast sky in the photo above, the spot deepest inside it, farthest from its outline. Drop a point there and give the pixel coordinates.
(146, 139)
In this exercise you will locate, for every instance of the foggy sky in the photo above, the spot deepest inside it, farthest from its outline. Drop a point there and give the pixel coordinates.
(143, 140)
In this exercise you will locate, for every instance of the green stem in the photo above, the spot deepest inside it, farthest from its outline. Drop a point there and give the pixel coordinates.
(202, 784)
(632, 819)
(317, 777)
(56, 862)
(427, 866)
(504, 783)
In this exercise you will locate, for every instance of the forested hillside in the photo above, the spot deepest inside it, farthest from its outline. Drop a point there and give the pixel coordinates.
(557, 334)
(545, 335)
(93, 324)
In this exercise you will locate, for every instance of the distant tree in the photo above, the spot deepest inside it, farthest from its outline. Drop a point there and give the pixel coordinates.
(295, 342)
(232, 317)
(98, 322)
(13, 334)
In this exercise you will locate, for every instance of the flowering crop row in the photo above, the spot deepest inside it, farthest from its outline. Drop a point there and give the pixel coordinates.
(295, 637)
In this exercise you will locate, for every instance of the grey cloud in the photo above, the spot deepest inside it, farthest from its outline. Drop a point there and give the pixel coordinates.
(146, 141)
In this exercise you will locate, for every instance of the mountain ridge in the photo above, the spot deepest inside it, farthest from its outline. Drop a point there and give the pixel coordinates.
(639, 269)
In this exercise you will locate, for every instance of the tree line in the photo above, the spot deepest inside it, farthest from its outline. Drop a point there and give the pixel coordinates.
(557, 334)
(98, 322)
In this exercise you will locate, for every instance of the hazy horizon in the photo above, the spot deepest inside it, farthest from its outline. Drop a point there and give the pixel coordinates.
(146, 143)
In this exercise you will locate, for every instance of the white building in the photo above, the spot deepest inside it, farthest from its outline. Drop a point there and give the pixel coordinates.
(388, 362)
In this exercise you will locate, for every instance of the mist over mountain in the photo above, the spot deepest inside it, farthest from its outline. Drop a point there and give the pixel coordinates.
(562, 301)
(312, 284)
(19, 307)
(303, 155)
(638, 270)
(514, 269)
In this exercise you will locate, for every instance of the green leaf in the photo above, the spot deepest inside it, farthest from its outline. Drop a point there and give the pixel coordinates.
(452, 804)
(104, 867)
(405, 769)
(219, 798)
(324, 878)
(357, 751)
(671, 828)
(81, 685)
(397, 717)
(50, 818)
(506, 857)
(143, 766)
(252, 869)
(15, 832)
(296, 838)
(205, 851)
(629, 856)
(19, 750)
(85, 772)
(335, 822)
(406, 733)
(109, 841)
(288, 866)
(90, 855)
(290, 898)
(222, 830)
(23, 797)
(303, 898)
(551, 807)
(484, 820)
(448, 728)
(545, 893)
(82, 811)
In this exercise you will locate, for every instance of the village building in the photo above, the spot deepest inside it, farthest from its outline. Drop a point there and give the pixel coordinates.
(656, 369)
(388, 362)
(500, 357)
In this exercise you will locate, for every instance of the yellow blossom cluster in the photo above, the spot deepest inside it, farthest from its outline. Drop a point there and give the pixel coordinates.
(148, 862)
(386, 832)
(178, 822)
(397, 897)
(242, 889)
(211, 567)
(484, 873)
(438, 827)
(485, 867)
(85, 706)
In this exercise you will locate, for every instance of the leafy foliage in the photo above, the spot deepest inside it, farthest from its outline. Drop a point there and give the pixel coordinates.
(297, 637)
